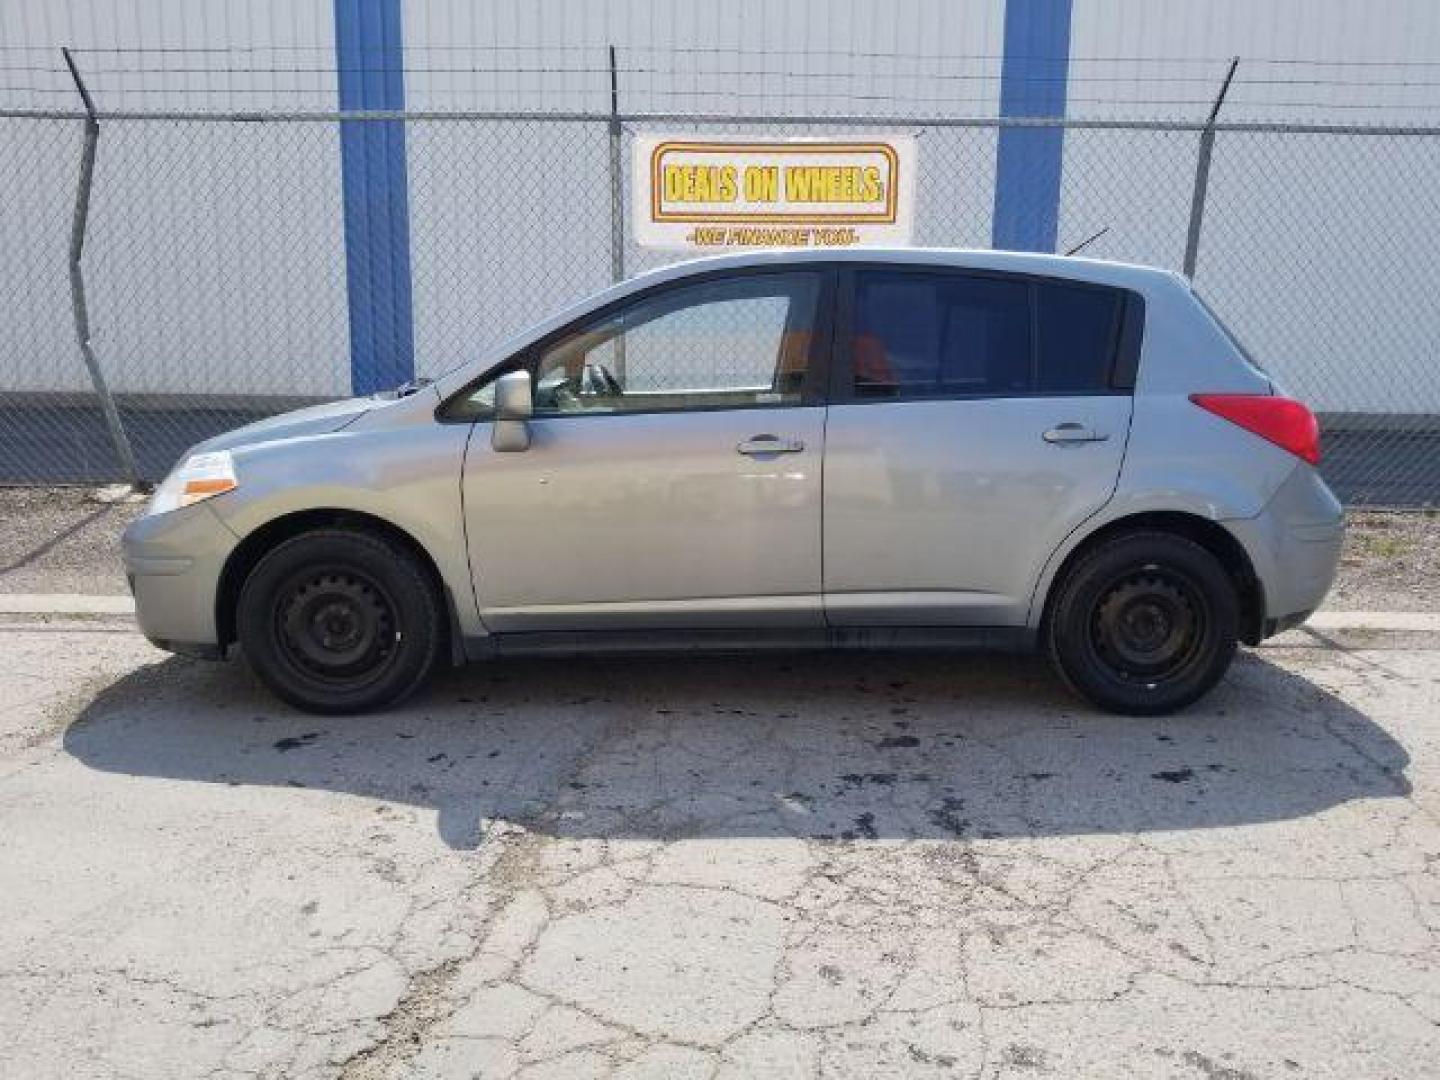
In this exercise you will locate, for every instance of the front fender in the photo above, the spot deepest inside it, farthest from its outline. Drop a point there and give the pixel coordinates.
(407, 476)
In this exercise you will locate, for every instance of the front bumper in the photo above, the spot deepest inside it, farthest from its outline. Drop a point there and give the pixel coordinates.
(174, 562)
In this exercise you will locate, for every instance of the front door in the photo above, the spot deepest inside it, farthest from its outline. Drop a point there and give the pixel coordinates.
(976, 420)
(673, 474)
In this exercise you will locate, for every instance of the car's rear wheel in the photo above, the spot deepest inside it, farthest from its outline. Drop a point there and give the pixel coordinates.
(1144, 624)
(340, 621)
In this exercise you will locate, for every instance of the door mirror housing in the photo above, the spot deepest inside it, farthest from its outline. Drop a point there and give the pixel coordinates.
(514, 405)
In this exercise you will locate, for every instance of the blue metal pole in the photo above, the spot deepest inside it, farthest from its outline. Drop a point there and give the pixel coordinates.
(369, 53)
(1028, 160)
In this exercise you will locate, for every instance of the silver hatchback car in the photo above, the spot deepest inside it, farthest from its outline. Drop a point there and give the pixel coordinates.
(859, 449)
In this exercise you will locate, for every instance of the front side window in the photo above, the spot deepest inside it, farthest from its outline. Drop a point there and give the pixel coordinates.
(731, 343)
(922, 334)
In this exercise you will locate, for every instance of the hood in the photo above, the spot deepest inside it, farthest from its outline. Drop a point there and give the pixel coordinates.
(312, 420)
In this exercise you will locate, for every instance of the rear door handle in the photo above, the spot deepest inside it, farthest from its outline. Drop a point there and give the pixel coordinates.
(1073, 433)
(769, 444)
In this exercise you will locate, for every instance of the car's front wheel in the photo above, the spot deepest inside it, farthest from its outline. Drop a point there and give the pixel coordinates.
(340, 621)
(1144, 624)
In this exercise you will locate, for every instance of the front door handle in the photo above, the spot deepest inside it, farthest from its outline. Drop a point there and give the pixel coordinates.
(1073, 433)
(769, 444)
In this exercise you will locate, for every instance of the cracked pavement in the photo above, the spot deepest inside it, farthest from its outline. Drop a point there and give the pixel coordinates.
(877, 865)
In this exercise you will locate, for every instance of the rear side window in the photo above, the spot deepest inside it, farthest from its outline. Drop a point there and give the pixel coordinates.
(926, 334)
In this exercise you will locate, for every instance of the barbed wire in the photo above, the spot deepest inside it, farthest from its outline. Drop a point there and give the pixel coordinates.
(848, 54)
(577, 76)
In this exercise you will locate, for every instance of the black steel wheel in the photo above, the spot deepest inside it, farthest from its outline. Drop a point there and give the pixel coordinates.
(1144, 624)
(340, 621)
(336, 624)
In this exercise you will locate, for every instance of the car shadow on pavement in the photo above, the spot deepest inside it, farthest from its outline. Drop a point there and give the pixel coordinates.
(821, 746)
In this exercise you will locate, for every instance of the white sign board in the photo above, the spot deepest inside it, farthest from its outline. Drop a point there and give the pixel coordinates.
(710, 195)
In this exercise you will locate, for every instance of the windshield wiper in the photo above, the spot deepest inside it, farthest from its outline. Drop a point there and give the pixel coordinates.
(405, 389)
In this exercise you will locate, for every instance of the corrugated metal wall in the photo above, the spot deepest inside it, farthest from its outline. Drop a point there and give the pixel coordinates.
(191, 224)
(224, 247)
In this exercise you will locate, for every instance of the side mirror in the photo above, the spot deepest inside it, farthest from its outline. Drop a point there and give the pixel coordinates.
(514, 405)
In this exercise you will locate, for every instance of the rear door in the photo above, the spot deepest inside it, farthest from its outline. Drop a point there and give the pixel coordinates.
(975, 420)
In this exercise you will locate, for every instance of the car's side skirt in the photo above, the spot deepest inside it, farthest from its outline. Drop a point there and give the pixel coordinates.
(860, 638)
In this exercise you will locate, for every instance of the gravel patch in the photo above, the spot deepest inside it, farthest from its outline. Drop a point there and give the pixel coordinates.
(1391, 562)
(63, 539)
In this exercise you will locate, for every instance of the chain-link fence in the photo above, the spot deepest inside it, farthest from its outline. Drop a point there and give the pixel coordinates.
(213, 265)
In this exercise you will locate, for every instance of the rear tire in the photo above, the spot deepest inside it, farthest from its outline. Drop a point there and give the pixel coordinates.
(1144, 624)
(340, 621)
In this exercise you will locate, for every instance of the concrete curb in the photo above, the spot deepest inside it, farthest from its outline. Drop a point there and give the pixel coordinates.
(1414, 621)
(64, 604)
(82, 604)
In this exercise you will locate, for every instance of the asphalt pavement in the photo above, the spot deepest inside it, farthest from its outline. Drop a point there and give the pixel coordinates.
(837, 866)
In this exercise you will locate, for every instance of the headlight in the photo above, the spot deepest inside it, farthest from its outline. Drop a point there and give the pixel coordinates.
(198, 477)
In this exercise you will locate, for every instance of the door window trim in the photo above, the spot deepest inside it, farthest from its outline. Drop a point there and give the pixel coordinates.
(817, 364)
(1126, 340)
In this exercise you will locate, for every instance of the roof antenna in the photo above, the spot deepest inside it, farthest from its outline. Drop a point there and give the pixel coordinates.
(1088, 241)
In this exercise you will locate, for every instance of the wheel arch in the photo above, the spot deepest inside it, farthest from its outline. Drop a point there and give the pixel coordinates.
(1206, 532)
(267, 537)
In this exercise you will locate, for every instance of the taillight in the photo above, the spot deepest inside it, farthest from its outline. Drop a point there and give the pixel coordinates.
(1284, 421)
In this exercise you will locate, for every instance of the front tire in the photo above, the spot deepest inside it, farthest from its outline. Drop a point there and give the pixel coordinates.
(340, 621)
(1144, 624)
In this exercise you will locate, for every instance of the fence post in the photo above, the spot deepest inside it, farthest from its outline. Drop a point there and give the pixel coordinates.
(1202, 174)
(77, 281)
(617, 180)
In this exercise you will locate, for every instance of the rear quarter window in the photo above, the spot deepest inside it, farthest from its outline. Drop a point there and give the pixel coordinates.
(1078, 332)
